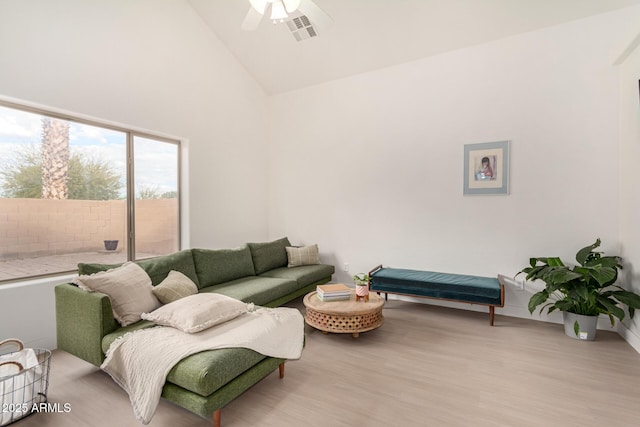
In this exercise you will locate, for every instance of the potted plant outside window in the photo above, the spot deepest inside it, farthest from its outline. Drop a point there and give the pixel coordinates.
(581, 292)
(110, 245)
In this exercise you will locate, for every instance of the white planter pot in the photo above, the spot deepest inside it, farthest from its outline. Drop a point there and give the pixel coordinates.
(587, 326)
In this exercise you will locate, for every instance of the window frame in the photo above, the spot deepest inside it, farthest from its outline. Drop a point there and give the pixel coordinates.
(130, 133)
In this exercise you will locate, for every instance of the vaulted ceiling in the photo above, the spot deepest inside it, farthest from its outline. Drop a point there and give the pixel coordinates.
(373, 34)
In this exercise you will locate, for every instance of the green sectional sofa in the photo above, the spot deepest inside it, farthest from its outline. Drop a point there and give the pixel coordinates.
(204, 382)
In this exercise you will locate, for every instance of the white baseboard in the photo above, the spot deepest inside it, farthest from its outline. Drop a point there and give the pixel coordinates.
(629, 336)
(521, 312)
(510, 311)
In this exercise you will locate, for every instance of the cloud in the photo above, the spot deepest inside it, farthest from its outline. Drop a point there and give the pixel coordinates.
(156, 162)
(156, 165)
(83, 132)
(20, 124)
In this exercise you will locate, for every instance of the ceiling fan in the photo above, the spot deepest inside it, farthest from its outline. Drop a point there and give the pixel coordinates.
(280, 10)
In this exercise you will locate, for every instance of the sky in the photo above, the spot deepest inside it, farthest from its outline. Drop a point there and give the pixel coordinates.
(155, 161)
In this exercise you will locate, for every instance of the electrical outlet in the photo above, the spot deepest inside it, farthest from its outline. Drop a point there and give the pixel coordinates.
(517, 282)
(345, 267)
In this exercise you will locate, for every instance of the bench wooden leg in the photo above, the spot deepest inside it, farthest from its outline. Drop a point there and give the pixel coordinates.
(491, 314)
(281, 369)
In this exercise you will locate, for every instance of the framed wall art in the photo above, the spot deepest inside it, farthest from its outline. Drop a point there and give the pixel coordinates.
(486, 168)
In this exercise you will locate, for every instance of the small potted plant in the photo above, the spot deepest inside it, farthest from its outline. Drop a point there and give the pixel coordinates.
(110, 245)
(362, 286)
(581, 292)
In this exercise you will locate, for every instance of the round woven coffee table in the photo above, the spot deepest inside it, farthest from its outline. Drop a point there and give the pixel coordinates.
(344, 317)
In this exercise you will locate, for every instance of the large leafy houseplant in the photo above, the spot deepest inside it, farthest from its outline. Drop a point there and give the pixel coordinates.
(586, 289)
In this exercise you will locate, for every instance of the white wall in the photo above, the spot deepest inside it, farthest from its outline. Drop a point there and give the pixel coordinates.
(150, 64)
(369, 167)
(379, 157)
(629, 195)
(153, 65)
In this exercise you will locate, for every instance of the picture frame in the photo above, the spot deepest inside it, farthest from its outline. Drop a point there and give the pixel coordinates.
(486, 168)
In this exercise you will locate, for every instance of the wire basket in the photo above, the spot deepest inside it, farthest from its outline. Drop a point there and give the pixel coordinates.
(24, 380)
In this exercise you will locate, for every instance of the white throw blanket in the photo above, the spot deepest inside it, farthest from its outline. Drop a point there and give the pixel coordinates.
(140, 361)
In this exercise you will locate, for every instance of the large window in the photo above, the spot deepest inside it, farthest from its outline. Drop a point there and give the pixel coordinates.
(75, 191)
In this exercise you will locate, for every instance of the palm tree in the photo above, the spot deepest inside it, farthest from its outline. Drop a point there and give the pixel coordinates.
(89, 178)
(55, 158)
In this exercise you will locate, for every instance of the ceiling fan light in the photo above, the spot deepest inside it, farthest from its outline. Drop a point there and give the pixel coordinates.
(291, 5)
(259, 5)
(277, 11)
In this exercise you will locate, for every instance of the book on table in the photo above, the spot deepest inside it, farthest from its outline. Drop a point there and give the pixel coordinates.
(334, 298)
(333, 292)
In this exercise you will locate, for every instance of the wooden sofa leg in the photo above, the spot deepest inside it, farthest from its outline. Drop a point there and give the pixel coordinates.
(218, 413)
(491, 314)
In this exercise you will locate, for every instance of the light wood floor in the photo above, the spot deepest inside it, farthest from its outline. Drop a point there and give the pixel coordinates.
(426, 366)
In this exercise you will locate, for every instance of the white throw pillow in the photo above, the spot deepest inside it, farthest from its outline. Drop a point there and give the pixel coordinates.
(197, 312)
(306, 255)
(128, 287)
(175, 286)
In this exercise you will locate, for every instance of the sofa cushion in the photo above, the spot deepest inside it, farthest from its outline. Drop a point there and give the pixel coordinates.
(128, 288)
(92, 268)
(205, 372)
(269, 255)
(108, 339)
(305, 275)
(215, 266)
(200, 372)
(174, 287)
(157, 268)
(258, 290)
(198, 312)
(306, 255)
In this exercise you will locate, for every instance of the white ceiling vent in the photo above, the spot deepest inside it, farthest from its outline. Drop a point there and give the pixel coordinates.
(301, 28)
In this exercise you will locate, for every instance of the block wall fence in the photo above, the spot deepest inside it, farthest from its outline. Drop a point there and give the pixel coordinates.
(32, 228)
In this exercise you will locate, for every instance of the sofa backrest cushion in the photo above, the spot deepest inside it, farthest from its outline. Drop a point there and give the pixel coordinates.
(157, 268)
(215, 266)
(269, 255)
(93, 268)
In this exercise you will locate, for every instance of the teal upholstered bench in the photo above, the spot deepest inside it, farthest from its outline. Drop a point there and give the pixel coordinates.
(428, 284)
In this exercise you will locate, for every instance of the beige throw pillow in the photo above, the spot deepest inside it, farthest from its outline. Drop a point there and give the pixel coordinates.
(197, 312)
(306, 255)
(175, 286)
(128, 287)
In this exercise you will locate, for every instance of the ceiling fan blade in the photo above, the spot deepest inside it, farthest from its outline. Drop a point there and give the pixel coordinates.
(291, 5)
(259, 5)
(252, 20)
(315, 14)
